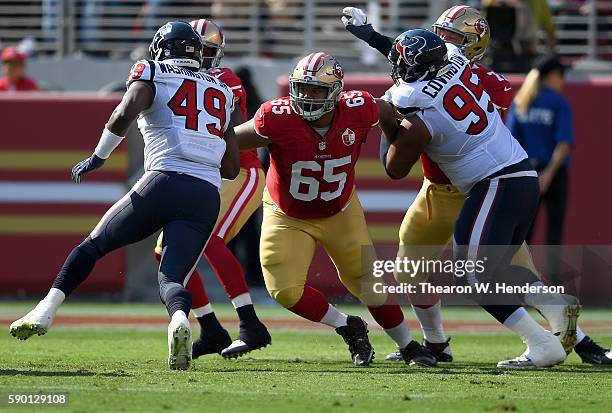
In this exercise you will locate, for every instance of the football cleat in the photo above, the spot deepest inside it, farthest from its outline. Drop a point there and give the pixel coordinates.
(415, 354)
(355, 334)
(179, 344)
(441, 351)
(561, 311)
(251, 337)
(36, 321)
(592, 353)
(547, 351)
(210, 343)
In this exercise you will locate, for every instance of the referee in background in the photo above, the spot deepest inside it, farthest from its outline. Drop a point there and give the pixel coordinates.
(541, 120)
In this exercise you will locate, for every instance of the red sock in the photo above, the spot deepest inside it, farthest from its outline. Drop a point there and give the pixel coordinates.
(195, 286)
(226, 266)
(389, 315)
(312, 305)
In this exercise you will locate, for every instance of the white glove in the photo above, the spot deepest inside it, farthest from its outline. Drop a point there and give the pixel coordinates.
(354, 16)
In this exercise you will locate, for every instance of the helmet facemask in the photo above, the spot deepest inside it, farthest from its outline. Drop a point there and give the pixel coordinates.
(214, 60)
(312, 109)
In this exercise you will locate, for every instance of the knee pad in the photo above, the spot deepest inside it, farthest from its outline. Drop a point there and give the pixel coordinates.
(288, 297)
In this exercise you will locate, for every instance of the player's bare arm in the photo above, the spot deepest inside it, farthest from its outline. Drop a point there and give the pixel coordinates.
(138, 97)
(230, 163)
(247, 137)
(390, 118)
(410, 141)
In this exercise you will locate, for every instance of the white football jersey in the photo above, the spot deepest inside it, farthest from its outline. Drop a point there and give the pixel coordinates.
(184, 127)
(469, 140)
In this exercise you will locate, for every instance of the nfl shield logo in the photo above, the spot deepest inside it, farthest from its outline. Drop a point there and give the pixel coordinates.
(322, 145)
(348, 137)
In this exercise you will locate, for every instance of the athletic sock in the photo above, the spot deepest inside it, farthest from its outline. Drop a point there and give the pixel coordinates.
(524, 325)
(579, 334)
(334, 318)
(312, 305)
(400, 334)
(431, 322)
(54, 298)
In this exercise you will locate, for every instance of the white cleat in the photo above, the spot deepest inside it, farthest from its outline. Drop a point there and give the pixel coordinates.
(35, 322)
(547, 351)
(179, 344)
(561, 311)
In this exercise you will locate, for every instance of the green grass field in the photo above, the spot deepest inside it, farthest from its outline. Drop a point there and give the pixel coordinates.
(124, 369)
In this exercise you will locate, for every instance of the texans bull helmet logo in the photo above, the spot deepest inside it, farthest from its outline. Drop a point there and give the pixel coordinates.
(410, 52)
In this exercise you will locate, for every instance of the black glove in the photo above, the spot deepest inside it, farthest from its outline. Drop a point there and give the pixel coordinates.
(85, 166)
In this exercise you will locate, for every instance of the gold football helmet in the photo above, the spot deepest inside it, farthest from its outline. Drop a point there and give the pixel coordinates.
(213, 38)
(469, 23)
(316, 69)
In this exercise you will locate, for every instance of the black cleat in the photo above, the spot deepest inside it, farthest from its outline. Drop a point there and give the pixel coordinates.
(355, 334)
(592, 353)
(210, 343)
(251, 337)
(416, 354)
(441, 351)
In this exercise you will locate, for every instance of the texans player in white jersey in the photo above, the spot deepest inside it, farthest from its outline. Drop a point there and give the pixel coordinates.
(184, 118)
(450, 117)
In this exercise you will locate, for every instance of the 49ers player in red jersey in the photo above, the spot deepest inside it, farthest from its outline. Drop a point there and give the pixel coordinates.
(315, 136)
(240, 198)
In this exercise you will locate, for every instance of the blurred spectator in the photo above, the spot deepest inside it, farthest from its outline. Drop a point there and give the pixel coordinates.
(14, 67)
(514, 35)
(541, 120)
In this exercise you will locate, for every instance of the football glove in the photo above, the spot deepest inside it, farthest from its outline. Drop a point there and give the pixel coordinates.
(354, 16)
(356, 22)
(86, 165)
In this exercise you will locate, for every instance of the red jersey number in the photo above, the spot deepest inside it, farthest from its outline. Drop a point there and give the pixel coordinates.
(185, 103)
(299, 181)
(280, 107)
(468, 94)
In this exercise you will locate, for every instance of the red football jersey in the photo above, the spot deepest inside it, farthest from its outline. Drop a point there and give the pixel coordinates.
(24, 84)
(312, 176)
(248, 159)
(500, 91)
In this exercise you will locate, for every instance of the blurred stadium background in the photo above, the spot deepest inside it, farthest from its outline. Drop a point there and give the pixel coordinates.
(81, 51)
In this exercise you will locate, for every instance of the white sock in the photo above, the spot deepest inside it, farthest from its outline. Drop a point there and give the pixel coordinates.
(334, 318)
(431, 323)
(579, 334)
(202, 311)
(400, 334)
(54, 298)
(524, 325)
(242, 300)
(180, 316)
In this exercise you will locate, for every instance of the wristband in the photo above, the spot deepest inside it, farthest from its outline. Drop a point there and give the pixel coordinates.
(108, 142)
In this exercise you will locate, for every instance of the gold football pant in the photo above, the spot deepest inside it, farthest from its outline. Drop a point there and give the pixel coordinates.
(428, 227)
(288, 244)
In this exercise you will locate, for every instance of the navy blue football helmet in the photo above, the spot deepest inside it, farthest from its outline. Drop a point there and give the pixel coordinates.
(179, 44)
(417, 55)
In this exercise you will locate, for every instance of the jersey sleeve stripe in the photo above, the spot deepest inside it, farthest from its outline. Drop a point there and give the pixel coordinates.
(152, 68)
(239, 203)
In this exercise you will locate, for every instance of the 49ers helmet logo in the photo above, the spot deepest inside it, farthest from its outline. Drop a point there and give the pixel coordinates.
(481, 26)
(338, 72)
(348, 137)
